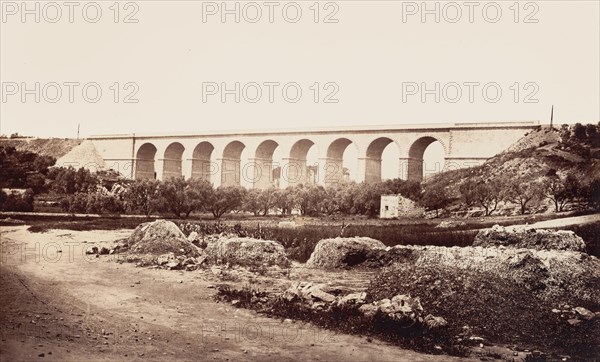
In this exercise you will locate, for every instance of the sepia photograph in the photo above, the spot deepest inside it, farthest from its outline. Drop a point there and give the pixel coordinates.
(308, 180)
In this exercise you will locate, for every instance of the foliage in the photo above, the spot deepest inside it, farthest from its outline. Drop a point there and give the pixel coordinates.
(93, 203)
(225, 199)
(69, 181)
(23, 169)
(561, 191)
(16, 201)
(522, 191)
(179, 196)
(435, 198)
(141, 196)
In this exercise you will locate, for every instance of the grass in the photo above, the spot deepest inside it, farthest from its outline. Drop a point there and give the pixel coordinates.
(492, 307)
(300, 242)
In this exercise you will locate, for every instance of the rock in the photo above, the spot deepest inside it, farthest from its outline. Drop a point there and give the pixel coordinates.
(585, 313)
(401, 308)
(189, 261)
(524, 237)
(173, 265)
(246, 252)
(216, 270)
(192, 237)
(368, 310)
(92, 250)
(347, 252)
(104, 251)
(165, 258)
(160, 237)
(309, 292)
(353, 298)
(321, 295)
(573, 321)
(433, 322)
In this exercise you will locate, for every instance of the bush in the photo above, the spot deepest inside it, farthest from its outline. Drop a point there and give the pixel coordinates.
(95, 203)
(17, 202)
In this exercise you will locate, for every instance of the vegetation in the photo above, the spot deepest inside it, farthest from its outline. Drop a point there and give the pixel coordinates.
(491, 306)
(561, 170)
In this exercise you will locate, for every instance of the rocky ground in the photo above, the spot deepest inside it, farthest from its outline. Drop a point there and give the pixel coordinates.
(73, 306)
(153, 294)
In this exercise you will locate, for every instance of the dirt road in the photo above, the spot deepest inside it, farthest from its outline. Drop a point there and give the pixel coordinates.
(567, 221)
(59, 304)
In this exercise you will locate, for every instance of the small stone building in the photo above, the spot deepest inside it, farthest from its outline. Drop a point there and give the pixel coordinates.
(393, 206)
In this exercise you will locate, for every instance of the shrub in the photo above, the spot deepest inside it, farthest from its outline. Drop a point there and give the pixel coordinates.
(17, 202)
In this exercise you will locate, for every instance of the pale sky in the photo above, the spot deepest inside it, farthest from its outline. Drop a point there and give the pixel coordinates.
(370, 54)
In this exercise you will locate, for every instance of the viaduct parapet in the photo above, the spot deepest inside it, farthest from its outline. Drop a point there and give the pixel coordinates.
(217, 156)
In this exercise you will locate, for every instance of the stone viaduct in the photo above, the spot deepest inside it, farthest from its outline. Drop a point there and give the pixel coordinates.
(216, 156)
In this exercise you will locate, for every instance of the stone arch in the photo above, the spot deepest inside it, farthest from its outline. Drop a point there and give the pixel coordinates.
(144, 162)
(263, 164)
(173, 161)
(374, 158)
(415, 156)
(230, 163)
(334, 164)
(296, 170)
(202, 167)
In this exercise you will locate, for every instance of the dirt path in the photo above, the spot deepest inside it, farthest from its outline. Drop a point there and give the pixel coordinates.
(67, 306)
(567, 221)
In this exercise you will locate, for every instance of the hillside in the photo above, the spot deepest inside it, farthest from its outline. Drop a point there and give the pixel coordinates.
(565, 152)
(54, 147)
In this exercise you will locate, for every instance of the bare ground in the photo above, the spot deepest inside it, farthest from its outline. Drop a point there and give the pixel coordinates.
(69, 306)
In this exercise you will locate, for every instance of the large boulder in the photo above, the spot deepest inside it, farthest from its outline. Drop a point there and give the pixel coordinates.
(346, 252)
(529, 238)
(246, 252)
(158, 238)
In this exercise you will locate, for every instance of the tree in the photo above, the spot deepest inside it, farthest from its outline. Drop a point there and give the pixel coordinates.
(68, 181)
(367, 200)
(408, 189)
(307, 198)
(284, 200)
(522, 191)
(487, 195)
(435, 197)
(183, 197)
(468, 192)
(579, 132)
(561, 191)
(225, 199)
(142, 196)
(593, 135)
(591, 194)
(19, 168)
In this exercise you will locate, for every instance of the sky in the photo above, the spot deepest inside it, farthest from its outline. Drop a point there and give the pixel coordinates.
(191, 66)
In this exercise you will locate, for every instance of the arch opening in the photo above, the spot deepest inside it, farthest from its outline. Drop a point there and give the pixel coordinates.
(173, 160)
(301, 165)
(425, 158)
(144, 162)
(382, 160)
(230, 164)
(341, 163)
(202, 166)
(264, 173)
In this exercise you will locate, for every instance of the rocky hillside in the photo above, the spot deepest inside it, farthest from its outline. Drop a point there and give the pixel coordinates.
(570, 151)
(54, 147)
